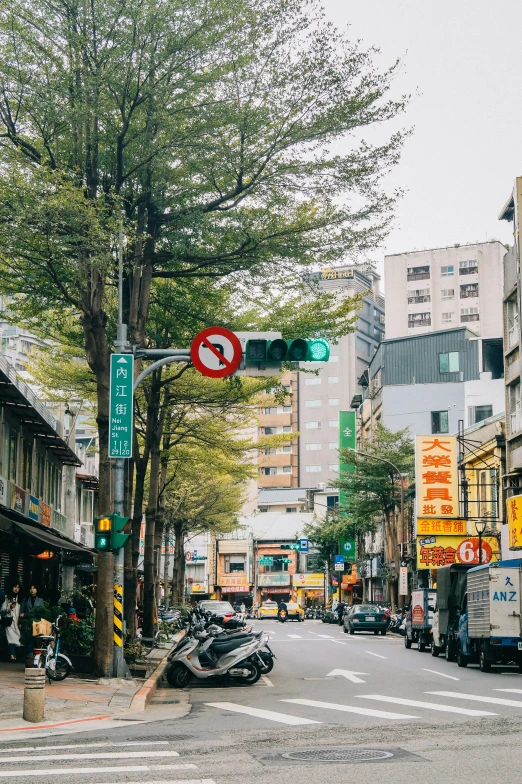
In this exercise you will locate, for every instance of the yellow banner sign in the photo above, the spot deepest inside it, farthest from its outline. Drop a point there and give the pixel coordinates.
(514, 518)
(446, 527)
(436, 476)
(232, 579)
(308, 580)
(435, 551)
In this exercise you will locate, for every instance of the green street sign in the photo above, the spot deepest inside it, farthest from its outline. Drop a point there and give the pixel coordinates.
(347, 547)
(121, 400)
(267, 561)
(347, 440)
(286, 560)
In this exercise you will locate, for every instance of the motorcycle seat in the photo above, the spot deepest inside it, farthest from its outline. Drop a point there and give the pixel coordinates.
(219, 647)
(237, 636)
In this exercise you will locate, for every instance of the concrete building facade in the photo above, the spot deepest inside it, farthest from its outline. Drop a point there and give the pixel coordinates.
(331, 388)
(279, 466)
(444, 288)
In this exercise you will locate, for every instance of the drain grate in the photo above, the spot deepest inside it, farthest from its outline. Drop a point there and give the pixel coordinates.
(338, 755)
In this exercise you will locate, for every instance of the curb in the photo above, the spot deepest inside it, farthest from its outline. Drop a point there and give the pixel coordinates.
(143, 696)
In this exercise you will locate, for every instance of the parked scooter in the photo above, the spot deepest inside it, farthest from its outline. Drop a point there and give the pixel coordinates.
(207, 652)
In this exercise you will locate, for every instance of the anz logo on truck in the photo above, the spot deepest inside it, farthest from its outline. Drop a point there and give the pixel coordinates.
(507, 595)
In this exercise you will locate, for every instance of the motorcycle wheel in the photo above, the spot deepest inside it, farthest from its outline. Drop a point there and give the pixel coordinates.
(178, 676)
(61, 670)
(268, 663)
(253, 677)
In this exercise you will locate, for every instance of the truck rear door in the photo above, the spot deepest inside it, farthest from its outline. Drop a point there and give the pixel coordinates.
(504, 595)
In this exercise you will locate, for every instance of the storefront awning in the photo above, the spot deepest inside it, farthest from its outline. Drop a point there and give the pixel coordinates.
(49, 538)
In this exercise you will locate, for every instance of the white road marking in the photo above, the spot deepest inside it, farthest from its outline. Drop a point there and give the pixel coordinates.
(10, 774)
(376, 654)
(106, 755)
(429, 705)
(475, 698)
(348, 674)
(266, 680)
(295, 636)
(443, 674)
(512, 691)
(86, 746)
(350, 709)
(282, 718)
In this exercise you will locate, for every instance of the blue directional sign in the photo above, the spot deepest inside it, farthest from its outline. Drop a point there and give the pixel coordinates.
(339, 563)
(303, 545)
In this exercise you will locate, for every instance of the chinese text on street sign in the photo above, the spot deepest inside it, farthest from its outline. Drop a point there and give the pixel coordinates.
(514, 519)
(436, 476)
(435, 551)
(121, 405)
(339, 563)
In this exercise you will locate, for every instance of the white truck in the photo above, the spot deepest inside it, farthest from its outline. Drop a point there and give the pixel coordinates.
(489, 623)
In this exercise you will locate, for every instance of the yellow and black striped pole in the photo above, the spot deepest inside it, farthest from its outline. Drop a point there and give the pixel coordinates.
(118, 615)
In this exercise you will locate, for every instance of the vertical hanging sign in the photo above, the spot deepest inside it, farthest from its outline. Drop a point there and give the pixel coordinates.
(121, 401)
(347, 440)
(436, 476)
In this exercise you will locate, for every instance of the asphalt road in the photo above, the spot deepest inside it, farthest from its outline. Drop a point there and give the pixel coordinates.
(425, 718)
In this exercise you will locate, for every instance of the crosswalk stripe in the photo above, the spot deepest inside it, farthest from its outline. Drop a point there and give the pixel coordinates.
(175, 781)
(295, 636)
(429, 705)
(443, 674)
(351, 709)
(106, 755)
(282, 718)
(476, 698)
(86, 746)
(10, 774)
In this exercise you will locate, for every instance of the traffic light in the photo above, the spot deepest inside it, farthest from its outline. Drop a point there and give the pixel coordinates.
(111, 532)
(289, 546)
(279, 350)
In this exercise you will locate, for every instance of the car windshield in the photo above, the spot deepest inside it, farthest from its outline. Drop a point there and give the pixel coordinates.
(269, 604)
(217, 607)
(366, 608)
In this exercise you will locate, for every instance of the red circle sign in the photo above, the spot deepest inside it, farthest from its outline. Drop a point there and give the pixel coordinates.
(216, 352)
(468, 551)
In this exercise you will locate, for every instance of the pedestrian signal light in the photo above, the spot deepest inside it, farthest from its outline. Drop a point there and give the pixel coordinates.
(121, 530)
(111, 532)
(279, 350)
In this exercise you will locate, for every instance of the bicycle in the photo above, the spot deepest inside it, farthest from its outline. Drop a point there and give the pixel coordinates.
(57, 666)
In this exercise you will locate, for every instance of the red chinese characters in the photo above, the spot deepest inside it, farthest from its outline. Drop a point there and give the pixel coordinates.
(436, 475)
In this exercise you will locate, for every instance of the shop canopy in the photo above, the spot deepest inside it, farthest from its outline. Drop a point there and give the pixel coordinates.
(48, 538)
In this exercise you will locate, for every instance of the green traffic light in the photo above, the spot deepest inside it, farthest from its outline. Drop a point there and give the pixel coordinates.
(318, 350)
(102, 543)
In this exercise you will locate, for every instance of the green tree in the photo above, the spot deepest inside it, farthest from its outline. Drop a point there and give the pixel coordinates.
(204, 130)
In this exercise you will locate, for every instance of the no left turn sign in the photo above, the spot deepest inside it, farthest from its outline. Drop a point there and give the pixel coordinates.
(216, 352)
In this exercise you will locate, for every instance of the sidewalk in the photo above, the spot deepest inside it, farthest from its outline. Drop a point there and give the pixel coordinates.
(78, 699)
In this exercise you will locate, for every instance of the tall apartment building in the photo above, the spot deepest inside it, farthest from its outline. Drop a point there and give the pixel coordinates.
(322, 396)
(512, 212)
(444, 288)
(279, 466)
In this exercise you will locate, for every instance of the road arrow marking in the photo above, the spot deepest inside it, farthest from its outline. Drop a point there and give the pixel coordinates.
(348, 674)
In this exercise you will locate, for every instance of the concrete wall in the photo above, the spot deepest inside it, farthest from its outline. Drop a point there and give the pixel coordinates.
(411, 406)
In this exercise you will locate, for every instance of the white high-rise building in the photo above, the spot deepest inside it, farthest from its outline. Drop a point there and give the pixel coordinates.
(321, 396)
(444, 288)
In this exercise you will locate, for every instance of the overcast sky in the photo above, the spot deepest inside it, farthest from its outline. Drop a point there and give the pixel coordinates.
(462, 62)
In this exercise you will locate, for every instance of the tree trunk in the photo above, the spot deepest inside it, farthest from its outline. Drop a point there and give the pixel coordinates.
(178, 580)
(166, 565)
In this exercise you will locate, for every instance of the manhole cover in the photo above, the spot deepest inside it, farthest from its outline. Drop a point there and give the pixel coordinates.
(338, 755)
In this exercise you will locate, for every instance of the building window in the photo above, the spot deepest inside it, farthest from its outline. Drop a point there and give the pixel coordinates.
(40, 475)
(447, 271)
(269, 431)
(419, 320)
(468, 267)
(313, 469)
(269, 470)
(13, 454)
(287, 428)
(312, 382)
(469, 290)
(333, 445)
(449, 363)
(312, 425)
(270, 410)
(234, 563)
(418, 273)
(419, 295)
(287, 469)
(87, 498)
(469, 314)
(448, 318)
(271, 451)
(447, 294)
(479, 413)
(287, 449)
(332, 501)
(313, 447)
(291, 509)
(515, 407)
(333, 401)
(27, 465)
(312, 403)
(333, 423)
(439, 422)
(333, 379)
(287, 409)
(263, 508)
(334, 467)
(333, 359)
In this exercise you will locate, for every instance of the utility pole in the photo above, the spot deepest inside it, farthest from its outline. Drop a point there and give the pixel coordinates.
(119, 665)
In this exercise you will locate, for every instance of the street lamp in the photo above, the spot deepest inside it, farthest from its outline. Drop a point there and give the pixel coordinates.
(480, 525)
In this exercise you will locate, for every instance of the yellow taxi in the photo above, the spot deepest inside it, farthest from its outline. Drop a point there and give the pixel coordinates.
(294, 612)
(267, 610)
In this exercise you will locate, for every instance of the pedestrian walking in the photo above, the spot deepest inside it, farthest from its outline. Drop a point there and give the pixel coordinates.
(10, 611)
(32, 602)
(340, 612)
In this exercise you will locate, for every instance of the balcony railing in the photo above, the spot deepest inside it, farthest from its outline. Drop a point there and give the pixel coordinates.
(471, 317)
(464, 293)
(516, 420)
(420, 323)
(418, 276)
(425, 298)
(468, 270)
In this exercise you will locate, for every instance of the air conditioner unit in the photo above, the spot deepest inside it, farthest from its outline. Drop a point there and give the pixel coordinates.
(321, 485)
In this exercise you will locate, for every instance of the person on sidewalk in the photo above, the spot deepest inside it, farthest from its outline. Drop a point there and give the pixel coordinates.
(32, 602)
(11, 609)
